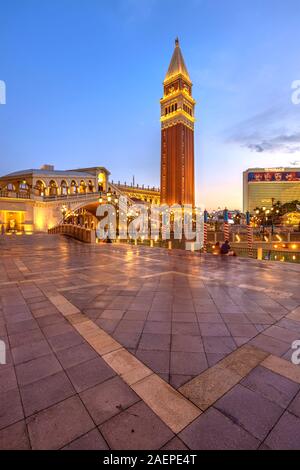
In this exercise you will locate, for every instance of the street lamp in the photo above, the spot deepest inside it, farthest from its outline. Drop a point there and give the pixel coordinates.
(64, 211)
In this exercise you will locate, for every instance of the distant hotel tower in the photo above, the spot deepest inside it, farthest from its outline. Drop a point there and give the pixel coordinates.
(177, 134)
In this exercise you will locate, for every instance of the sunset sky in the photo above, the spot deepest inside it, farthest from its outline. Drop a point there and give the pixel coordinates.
(84, 79)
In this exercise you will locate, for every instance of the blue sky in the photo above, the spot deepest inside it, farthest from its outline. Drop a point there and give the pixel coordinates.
(84, 79)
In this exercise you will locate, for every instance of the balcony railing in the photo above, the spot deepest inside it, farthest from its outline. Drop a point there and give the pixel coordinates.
(57, 197)
(15, 194)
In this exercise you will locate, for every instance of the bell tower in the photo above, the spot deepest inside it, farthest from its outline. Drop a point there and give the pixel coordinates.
(177, 134)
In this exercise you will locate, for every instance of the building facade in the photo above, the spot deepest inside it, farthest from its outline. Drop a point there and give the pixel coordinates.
(38, 199)
(262, 187)
(177, 134)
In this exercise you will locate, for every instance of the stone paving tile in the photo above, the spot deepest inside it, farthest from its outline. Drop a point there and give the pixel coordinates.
(242, 330)
(209, 318)
(22, 326)
(286, 433)
(175, 444)
(294, 406)
(283, 334)
(88, 374)
(29, 351)
(177, 380)
(188, 363)
(273, 386)
(243, 360)
(215, 431)
(14, 437)
(209, 386)
(185, 328)
(48, 320)
(187, 343)
(92, 440)
(249, 409)
(112, 314)
(65, 341)
(282, 367)
(236, 318)
(218, 344)
(155, 342)
(290, 324)
(58, 425)
(8, 379)
(127, 338)
(270, 344)
(160, 327)
(31, 336)
(108, 399)
(136, 428)
(127, 366)
(158, 361)
(214, 329)
(169, 405)
(184, 317)
(76, 355)
(37, 369)
(10, 408)
(45, 392)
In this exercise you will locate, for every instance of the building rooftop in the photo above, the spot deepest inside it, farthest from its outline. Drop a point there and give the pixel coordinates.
(46, 170)
(33, 171)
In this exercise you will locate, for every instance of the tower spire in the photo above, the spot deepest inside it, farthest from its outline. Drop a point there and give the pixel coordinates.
(177, 65)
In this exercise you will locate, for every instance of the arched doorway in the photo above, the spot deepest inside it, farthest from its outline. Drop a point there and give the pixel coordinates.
(63, 188)
(52, 188)
(40, 187)
(90, 186)
(82, 187)
(101, 181)
(73, 187)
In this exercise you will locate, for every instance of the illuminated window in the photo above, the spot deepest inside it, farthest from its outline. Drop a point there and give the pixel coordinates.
(73, 187)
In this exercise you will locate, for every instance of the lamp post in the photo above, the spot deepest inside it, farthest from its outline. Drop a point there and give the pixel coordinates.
(64, 211)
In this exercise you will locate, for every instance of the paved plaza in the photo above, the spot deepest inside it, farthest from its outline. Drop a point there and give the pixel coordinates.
(128, 347)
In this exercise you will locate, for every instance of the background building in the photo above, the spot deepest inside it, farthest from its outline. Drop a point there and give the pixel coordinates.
(262, 187)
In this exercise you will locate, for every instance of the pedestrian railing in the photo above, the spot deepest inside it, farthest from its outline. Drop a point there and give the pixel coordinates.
(74, 231)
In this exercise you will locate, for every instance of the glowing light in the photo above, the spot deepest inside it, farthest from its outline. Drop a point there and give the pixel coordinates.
(278, 237)
(294, 247)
